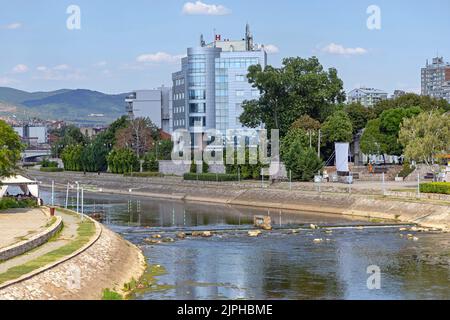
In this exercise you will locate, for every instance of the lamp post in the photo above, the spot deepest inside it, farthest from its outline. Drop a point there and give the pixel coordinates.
(78, 196)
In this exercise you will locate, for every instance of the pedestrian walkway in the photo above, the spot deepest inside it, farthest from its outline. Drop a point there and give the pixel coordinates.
(17, 225)
(68, 234)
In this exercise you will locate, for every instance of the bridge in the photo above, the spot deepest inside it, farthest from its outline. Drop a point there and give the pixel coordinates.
(34, 155)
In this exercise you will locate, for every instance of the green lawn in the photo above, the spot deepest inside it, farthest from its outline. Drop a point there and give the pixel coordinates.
(86, 230)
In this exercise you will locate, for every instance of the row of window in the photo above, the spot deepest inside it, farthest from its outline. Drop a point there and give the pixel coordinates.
(197, 80)
(178, 123)
(178, 96)
(236, 63)
(224, 78)
(178, 109)
(238, 93)
(179, 82)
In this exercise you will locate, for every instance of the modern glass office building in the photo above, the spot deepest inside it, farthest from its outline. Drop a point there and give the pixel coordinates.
(211, 86)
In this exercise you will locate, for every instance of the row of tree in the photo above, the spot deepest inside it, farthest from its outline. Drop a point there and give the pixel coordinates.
(119, 148)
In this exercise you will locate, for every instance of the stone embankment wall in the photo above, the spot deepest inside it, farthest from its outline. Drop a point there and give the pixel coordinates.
(108, 262)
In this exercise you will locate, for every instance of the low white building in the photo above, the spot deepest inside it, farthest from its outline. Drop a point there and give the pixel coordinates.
(368, 97)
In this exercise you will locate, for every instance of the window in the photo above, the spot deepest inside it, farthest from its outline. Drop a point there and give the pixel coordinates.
(240, 93)
(197, 107)
(240, 78)
(255, 93)
(197, 94)
(197, 121)
(197, 80)
(221, 93)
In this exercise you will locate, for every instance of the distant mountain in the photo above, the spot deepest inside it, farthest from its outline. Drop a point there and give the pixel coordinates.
(65, 104)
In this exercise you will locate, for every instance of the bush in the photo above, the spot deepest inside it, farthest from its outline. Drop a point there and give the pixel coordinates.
(407, 170)
(51, 169)
(49, 164)
(144, 174)
(12, 203)
(435, 187)
(221, 177)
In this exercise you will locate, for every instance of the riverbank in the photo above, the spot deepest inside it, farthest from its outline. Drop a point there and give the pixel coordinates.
(425, 212)
(84, 260)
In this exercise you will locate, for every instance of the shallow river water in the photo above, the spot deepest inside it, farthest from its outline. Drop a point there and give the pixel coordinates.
(276, 265)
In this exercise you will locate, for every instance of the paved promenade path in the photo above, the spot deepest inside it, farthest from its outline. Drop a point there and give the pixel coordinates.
(17, 225)
(67, 234)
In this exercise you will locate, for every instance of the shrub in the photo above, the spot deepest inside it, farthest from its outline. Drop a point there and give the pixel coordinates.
(49, 164)
(435, 187)
(12, 203)
(51, 169)
(143, 174)
(193, 168)
(221, 177)
(407, 170)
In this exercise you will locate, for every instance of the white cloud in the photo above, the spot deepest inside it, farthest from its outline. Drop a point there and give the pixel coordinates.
(20, 68)
(58, 72)
(13, 26)
(159, 57)
(271, 49)
(200, 8)
(338, 49)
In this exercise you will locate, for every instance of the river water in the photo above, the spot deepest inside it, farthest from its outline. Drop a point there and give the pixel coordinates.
(276, 265)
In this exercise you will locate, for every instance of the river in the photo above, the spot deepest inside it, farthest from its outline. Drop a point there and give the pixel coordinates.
(279, 264)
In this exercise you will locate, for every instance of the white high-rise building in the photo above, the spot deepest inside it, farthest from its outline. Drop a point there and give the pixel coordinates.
(212, 84)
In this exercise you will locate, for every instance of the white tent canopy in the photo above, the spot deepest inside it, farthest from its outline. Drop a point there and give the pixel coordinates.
(26, 185)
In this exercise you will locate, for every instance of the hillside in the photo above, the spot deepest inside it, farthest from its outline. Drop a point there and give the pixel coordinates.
(65, 104)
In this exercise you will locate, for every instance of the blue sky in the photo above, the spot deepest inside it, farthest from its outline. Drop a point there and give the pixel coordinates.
(135, 44)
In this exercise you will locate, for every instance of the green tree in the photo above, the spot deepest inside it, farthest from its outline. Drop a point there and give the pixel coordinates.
(299, 87)
(66, 136)
(10, 148)
(426, 136)
(72, 157)
(297, 135)
(302, 162)
(359, 115)
(338, 128)
(373, 141)
(122, 161)
(409, 100)
(306, 123)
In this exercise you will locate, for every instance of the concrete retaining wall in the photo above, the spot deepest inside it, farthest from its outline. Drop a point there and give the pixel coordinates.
(30, 244)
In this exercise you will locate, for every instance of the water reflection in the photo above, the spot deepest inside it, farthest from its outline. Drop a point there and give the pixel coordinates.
(280, 265)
